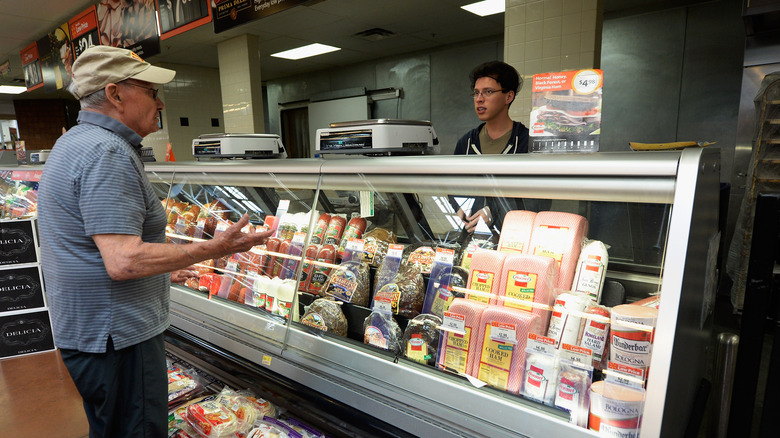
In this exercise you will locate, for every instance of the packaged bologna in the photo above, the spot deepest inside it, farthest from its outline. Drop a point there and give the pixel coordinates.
(516, 231)
(500, 347)
(335, 230)
(318, 235)
(632, 330)
(541, 369)
(559, 235)
(319, 273)
(591, 269)
(615, 410)
(456, 347)
(354, 230)
(530, 278)
(485, 275)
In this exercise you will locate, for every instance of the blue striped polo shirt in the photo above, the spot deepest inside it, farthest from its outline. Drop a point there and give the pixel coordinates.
(94, 183)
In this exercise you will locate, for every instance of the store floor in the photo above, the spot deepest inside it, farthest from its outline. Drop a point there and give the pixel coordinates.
(38, 398)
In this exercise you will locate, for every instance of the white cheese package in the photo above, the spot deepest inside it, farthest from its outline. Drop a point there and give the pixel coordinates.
(559, 235)
(591, 269)
(516, 231)
(540, 370)
(500, 345)
(484, 275)
(594, 334)
(565, 320)
(456, 343)
(528, 284)
(572, 391)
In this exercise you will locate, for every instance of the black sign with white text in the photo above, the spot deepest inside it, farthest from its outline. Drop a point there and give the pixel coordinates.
(24, 333)
(21, 288)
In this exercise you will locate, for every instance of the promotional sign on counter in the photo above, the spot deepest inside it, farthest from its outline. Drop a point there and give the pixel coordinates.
(25, 333)
(21, 288)
(566, 111)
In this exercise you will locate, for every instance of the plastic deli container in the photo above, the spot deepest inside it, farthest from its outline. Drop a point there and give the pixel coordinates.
(632, 335)
(615, 410)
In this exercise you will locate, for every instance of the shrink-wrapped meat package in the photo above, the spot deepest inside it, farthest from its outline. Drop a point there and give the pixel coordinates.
(380, 330)
(591, 269)
(485, 275)
(559, 235)
(421, 339)
(516, 231)
(456, 348)
(528, 284)
(326, 315)
(500, 347)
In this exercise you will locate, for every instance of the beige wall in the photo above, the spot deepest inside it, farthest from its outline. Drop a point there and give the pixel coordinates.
(195, 94)
(542, 36)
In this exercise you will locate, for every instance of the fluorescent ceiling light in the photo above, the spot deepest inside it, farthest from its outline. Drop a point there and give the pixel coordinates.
(486, 7)
(11, 89)
(306, 51)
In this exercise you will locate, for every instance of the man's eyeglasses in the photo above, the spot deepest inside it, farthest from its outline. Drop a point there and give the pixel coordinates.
(154, 90)
(486, 93)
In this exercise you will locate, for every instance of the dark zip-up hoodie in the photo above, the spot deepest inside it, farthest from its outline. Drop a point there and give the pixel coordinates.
(518, 141)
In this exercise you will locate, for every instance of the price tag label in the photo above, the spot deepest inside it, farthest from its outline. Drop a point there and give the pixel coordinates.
(284, 204)
(299, 237)
(586, 82)
(356, 244)
(395, 251)
(454, 322)
(383, 305)
(366, 203)
(625, 375)
(503, 332)
(541, 344)
(444, 255)
(580, 355)
(266, 360)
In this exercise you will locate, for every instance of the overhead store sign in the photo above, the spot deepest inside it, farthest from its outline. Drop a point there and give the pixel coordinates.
(230, 13)
(31, 64)
(130, 24)
(84, 31)
(56, 56)
(178, 16)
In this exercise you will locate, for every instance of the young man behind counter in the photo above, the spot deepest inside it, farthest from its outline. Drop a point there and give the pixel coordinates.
(495, 85)
(105, 261)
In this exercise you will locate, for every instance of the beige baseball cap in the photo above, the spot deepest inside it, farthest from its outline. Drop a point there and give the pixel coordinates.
(99, 66)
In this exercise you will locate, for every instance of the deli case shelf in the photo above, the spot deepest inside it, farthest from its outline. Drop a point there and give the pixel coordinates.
(656, 211)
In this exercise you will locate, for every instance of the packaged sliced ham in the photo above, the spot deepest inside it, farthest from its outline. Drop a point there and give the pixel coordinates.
(565, 319)
(460, 326)
(500, 346)
(421, 339)
(485, 275)
(591, 269)
(527, 280)
(516, 231)
(559, 235)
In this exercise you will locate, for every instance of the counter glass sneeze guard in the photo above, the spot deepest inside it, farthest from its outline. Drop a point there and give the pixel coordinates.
(628, 199)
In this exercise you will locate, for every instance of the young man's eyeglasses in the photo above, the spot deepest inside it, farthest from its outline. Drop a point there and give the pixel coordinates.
(486, 93)
(154, 90)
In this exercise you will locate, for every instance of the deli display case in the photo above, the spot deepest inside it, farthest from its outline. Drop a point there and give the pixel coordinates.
(655, 214)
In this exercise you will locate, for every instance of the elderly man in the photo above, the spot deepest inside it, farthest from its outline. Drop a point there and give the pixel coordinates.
(105, 261)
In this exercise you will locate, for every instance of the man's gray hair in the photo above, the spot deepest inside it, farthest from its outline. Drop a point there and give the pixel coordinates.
(94, 100)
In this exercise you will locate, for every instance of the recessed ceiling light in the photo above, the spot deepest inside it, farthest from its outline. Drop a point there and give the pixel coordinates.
(11, 89)
(486, 7)
(306, 51)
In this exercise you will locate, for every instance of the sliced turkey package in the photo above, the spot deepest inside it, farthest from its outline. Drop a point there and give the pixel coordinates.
(531, 278)
(484, 275)
(559, 235)
(456, 346)
(500, 347)
(516, 231)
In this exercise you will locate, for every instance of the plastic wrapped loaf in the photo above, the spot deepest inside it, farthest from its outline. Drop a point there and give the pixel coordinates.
(591, 269)
(456, 350)
(326, 315)
(516, 231)
(380, 330)
(421, 339)
(350, 283)
(565, 321)
(500, 346)
(530, 278)
(406, 293)
(485, 275)
(441, 293)
(377, 242)
(559, 235)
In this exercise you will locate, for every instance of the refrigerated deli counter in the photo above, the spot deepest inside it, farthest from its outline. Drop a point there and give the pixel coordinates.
(497, 359)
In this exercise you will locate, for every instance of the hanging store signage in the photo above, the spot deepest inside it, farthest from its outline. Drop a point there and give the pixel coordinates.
(56, 56)
(230, 13)
(178, 16)
(5, 68)
(25, 333)
(31, 64)
(566, 111)
(130, 24)
(84, 31)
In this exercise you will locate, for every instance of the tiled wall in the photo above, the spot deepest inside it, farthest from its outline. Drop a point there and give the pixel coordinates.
(547, 36)
(193, 94)
(240, 75)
